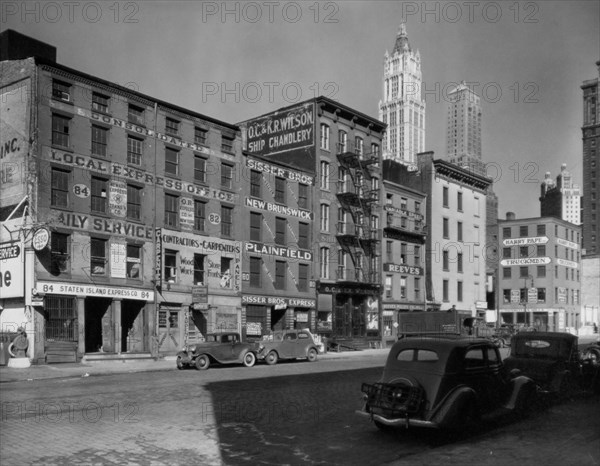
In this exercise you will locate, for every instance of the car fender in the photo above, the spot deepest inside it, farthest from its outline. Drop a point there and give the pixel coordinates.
(186, 358)
(450, 407)
(520, 384)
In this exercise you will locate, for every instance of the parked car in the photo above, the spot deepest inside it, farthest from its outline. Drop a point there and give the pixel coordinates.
(288, 344)
(444, 382)
(221, 348)
(502, 336)
(553, 360)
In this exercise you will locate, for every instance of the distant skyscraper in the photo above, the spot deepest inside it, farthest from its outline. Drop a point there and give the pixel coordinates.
(561, 199)
(402, 107)
(591, 165)
(463, 135)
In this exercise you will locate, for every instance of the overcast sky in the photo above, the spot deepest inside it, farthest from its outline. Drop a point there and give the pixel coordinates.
(236, 60)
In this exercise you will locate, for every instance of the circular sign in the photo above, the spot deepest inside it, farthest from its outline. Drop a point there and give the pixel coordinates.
(215, 219)
(81, 190)
(40, 239)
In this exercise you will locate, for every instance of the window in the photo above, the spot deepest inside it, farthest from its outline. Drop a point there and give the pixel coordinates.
(459, 291)
(200, 135)
(417, 207)
(477, 237)
(417, 250)
(417, 282)
(303, 232)
(98, 195)
(97, 256)
(446, 228)
(302, 277)
(99, 140)
(541, 230)
(523, 272)
(171, 161)
(303, 196)
(541, 250)
(324, 217)
(134, 261)
(226, 220)
(506, 253)
(445, 196)
(59, 253)
(389, 251)
(135, 115)
(227, 144)
(324, 262)
(506, 272)
(134, 202)
(61, 90)
(459, 201)
(324, 136)
(459, 262)
(170, 257)
(342, 141)
(60, 188)
(255, 272)
(459, 231)
(134, 150)
(199, 215)
(280, 271)
(100, 103)
(506, 295)
(280, 190)
(541, 295)
(324, 175)
(255, 183)
(445, 261)
(541, 271)
(523, 251)
(60, 130)
(358, 145)
(374, 150)
(255, 226)
(199, 269)
(171, 210)
(280, 228)
(403, 287)
(199, 169)
(477, 207)
(172, 126)
(227, 175)
(506, 232)
(403, 253)
(445, 291)
(523, 231)
(388, 286)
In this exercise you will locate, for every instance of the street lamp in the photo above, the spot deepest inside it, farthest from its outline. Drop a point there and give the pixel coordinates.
(525, 295)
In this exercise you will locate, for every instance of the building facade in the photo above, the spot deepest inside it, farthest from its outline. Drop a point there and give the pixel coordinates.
(561, 199)
(463, 129)
(591, 165)
(129, 231)
(540, 272)
(403, 107)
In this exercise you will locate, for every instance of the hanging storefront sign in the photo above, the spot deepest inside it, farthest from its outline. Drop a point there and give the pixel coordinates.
(278, 300)
(186, 213)
(526, 261)
(12, 270)
(525, 241)
(118, 260)
(117, 199)
(94, 290)
(40, 239)
(158, 256)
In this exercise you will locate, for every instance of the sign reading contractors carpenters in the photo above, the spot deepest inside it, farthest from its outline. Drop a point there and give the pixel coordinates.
(72, 289)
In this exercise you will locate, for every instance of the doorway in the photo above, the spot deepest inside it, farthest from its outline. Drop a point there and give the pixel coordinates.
(98, 325)
(278, 319)
(133, 334)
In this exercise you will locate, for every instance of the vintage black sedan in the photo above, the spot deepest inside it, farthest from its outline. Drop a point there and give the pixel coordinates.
(444, 382)
(220, 348)
(288, 344)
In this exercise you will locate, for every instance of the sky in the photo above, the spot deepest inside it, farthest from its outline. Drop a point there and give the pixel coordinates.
(236, 60)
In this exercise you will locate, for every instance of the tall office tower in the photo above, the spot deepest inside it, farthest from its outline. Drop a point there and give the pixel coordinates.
(402, 107)
(463, 135)
(591, 165)
(561, 199)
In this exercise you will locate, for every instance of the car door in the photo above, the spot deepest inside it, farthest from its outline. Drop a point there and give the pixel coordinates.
(476, 374)
(288, 344)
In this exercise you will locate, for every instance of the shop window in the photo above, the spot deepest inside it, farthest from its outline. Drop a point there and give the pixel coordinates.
(98, 256)
(60, 188)
(61, 318)
(173, 319)
(199, 269)
(134, 262)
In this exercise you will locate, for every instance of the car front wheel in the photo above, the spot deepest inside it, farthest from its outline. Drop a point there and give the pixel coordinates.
(179, 362)
(271, 358)
(202, 362)
(249, 359)
(312, 355)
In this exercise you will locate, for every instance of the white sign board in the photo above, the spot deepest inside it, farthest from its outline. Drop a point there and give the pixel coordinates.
(118, 260)
(93, 290)
(12, 270)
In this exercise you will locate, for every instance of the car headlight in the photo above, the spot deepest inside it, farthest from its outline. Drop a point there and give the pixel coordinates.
(261, 348)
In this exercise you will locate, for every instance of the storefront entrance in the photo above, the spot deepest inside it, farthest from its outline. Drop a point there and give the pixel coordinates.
(133, 328)
(278, 319)
(98, 325)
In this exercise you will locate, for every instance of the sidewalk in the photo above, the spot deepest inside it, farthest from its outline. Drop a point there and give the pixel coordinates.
(74, 370)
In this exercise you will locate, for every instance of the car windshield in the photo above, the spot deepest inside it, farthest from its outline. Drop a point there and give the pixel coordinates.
(542, 348)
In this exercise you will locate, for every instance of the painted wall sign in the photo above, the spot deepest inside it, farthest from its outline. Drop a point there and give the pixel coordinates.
(532, 295)
(566, 243)
(117, 200)
(158, 256)
(118, 260)
(331, 289)
(93, 290)
(134, 174)
(14, 141)
(12, 270)
(562, 295)
(403, 212)
(186, 213)
(515, 296)
(81, 190)
(290, 175)
(280, 251)
(399, 268)
(566, 263)
(105, 225)
(278, 300)
(525, 241)
(278, 209)
(526, 261)
(214, 218)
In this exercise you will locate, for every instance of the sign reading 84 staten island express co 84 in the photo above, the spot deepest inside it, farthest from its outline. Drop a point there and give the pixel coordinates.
(93, 290)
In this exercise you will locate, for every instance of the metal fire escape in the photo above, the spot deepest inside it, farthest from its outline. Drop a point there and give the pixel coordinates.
(356, 196)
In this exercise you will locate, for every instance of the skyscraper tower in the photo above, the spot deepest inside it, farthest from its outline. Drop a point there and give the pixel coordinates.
(463, 135)
(402, 107)
(561, 199)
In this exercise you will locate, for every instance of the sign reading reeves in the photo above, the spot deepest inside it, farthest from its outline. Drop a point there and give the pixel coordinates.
(280, 131)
